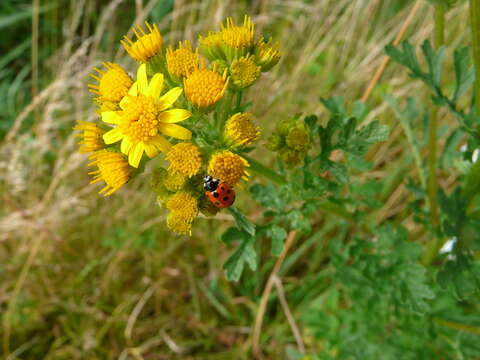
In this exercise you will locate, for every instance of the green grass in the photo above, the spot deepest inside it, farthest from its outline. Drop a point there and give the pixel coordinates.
(84, 277)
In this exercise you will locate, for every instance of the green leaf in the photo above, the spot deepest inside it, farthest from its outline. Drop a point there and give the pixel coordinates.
(464, 74)
(366, 136)
(232, 234)
(434, 61)
(278, 235)
(241, 221)
(339, 171)
(414, 291)
(235, 264)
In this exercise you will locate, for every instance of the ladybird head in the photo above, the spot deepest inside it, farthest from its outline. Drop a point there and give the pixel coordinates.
(209, 183)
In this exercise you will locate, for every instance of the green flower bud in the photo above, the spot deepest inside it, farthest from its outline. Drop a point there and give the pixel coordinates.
(298, 139)
(275, 142)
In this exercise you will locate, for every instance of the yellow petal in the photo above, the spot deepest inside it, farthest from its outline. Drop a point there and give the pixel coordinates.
(142, 80)
(126, 146)
(175, 131)
(133, 91)
(174, 115)
(169, 98)
(111, 117)
(161, 143)
(135, 154)
(151, 150)
(155, 86)
(112, 136)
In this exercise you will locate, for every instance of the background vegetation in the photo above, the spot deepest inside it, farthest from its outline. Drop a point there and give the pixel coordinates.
(84, 277)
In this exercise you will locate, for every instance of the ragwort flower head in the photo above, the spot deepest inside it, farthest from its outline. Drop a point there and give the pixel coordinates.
(144, 116)
(240, 129)
(183, 208)
(91, 136)
(182, 61)
(174, 181)
(212, 46)
(267, 55)
(244, 72)
(112, 168)
(238, 40)
(185, 158)
(204, 87)
(148, 44)
(113, 83)
(228, 167)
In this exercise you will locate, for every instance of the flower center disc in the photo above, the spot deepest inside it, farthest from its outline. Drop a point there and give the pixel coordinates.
(140, 114)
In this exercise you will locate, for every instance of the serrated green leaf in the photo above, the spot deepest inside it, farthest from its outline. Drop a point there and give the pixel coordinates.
(241, 221)
(235, 264)
(464, 74)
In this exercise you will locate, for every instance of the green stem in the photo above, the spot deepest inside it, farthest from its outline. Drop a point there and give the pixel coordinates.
(434, 246)
(239, 101)
(261, 169)
(475, 25)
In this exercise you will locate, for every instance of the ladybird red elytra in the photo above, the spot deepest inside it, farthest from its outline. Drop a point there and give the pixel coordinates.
(219, 193)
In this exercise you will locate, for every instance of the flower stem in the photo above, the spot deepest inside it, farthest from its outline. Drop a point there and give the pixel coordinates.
(261, 169)
(432, 186)
(475, 25)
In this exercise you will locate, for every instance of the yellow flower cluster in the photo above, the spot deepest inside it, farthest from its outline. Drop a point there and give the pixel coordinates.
(139, 117)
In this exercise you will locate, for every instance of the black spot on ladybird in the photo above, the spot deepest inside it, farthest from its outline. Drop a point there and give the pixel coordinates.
(228, 191)
(225, 198)
(221, 187)
(215, 194)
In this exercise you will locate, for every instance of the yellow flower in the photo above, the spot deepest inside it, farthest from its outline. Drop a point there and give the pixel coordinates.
(267, 55)
(182, 61)
(113, 83)
(239, 38)
(212, 45)
(112, 168)
(91, 136)
(228, 167)
(183, 208)
(147, 45)
(244, 72)
(174, 181)
(185, 158)
(144, 116)
(241, 130)
(205, 87)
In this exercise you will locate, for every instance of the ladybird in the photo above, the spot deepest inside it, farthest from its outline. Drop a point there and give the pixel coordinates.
(220, 194)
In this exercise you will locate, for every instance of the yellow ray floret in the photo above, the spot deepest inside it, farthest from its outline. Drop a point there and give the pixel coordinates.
(144, 117)
(183, 208)
(244, 72)
(205, 87)
(113, 83)
(112, 168)
(148, 44)
(228, 167)
(91, 136)
(238, 36)
(182, 61)
(185, 158)
(240, 129)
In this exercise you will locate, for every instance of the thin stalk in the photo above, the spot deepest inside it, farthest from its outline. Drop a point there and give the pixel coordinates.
(475, 25)
(432, 186)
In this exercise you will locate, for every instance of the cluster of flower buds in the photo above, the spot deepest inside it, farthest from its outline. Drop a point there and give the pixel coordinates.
(291, 140)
